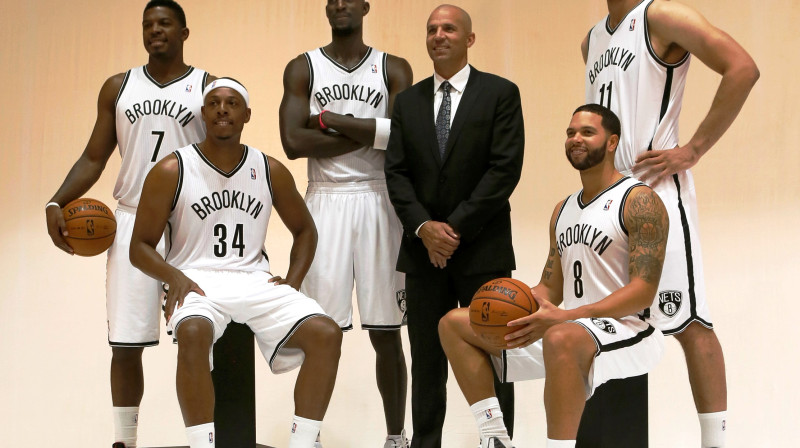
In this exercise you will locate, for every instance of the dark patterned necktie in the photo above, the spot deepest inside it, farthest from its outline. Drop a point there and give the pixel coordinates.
(443, 119)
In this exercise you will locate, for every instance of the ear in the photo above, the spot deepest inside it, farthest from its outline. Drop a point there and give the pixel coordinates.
(184, 34)
(366, 8)
(470, 40)
(247, 116)
(613, 141)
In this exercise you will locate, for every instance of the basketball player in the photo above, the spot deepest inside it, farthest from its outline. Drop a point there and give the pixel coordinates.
(149, 111)
(334, 112)
(607, 246)
(637, 59)
(216, 197)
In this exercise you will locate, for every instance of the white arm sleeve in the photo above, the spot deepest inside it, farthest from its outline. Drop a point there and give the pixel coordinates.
(383, 127)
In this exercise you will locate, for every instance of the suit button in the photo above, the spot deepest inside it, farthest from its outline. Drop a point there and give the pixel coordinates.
(442, 179)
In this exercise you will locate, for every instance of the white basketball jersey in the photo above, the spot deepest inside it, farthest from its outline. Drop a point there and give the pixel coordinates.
(593, 244)
(624, 74)
(219, 220)
(362, 92)
(152, 121)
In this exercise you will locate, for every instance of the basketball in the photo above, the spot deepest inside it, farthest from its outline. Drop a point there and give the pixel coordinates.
(91, 226)
(495, 304)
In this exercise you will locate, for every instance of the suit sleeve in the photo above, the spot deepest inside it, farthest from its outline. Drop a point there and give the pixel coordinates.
(492, 192)
(409, 209)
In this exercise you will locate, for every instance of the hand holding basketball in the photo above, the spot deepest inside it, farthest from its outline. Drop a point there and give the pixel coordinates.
(495, 304)
(90, 227)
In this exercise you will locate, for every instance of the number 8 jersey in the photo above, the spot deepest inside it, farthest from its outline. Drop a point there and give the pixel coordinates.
(624, 74)
(153, 120)
(219, 220)
(592, 242)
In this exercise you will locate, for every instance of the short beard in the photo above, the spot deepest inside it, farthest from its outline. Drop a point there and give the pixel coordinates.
(343, 32)
(594, 157)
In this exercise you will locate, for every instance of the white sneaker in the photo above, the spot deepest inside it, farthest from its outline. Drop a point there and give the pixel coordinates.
(395, 443)
(492, 442)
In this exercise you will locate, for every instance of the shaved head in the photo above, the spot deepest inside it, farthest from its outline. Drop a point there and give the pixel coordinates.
(460, 14)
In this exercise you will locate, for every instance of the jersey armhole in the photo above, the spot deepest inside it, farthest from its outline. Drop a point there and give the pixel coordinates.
(122, 87)
(561, 210)
(180, 180)
(385, 72)
(269, 178)
(310, 74)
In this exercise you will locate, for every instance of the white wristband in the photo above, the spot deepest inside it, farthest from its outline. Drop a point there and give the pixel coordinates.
(53, 203)
(383, 126)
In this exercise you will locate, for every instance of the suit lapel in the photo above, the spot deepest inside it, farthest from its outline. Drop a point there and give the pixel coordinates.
(471, 93)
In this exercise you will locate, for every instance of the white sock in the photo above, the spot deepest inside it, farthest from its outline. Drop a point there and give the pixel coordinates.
(201, 436)
(304, 432)
(712, 429)
(490, 420)
(560, 443)
(126, 421)
(399, 438)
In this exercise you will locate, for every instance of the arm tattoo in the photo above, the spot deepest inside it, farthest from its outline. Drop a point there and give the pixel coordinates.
(648, 226)
(548, 267)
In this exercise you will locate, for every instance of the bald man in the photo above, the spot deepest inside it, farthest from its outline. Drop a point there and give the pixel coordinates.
(454, 158)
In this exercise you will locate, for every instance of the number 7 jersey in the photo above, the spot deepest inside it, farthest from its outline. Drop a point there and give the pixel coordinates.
(624, 74)
(152, 120)
(219, 220)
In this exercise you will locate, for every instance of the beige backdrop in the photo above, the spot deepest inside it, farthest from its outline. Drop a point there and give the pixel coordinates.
(54, 376)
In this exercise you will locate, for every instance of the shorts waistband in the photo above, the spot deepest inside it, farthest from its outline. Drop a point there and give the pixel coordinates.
(347, 187)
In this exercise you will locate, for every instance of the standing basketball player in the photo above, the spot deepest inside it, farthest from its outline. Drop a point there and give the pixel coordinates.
(149, 111)
(216, 196)
(636, 64)
(334, 112)
(607, 245)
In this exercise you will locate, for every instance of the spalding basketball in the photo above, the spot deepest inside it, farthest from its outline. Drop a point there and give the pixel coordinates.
(495, 304)
(91, 226)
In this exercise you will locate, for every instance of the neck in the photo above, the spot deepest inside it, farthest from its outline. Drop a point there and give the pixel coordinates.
(597, 179)
(225, 153)
(347, 48)
(618, 9)
(164, 70)
(449, 70)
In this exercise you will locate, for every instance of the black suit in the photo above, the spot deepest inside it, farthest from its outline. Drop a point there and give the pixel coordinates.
(469, 189)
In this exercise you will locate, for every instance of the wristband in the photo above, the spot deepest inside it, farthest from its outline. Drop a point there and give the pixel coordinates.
(51, 204)
(383, 127)
(321, 124)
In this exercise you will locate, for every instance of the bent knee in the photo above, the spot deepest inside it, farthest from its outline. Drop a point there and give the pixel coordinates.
(566, 338)
(320, 333)
(453, 321)
(195, 333)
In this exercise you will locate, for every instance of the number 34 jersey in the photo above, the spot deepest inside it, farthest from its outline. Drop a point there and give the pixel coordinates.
(152, 120)
(219, 220)
(592, 242)
(624, 74)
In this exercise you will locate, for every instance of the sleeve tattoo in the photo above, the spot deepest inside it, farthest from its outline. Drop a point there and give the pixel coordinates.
(648, 227)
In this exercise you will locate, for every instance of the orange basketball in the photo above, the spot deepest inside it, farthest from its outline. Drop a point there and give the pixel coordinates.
(91, 226)
(495, 304)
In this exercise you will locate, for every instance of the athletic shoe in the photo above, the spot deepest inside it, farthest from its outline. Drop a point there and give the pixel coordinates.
(394, 443)
(492, 442)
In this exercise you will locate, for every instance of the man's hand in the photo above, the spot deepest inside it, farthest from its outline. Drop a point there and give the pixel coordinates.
(535, 325)
(179, 288)
(278, 280)
(57, 228)
(654, 166)
(441, 240)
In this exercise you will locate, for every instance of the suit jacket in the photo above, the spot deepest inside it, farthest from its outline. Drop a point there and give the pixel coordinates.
(469, 187)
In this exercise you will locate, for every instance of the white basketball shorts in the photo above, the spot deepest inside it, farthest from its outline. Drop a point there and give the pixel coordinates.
(132, 297)
(625, 348)
(359, 239)
(273, 312)
(681, 297)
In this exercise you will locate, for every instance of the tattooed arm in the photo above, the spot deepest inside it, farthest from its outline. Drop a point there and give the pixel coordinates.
(648, 225)
(551, 284)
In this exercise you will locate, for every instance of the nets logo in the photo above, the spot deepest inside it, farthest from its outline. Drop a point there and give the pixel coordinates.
(669, 302)
(604, 325)
(400, 296)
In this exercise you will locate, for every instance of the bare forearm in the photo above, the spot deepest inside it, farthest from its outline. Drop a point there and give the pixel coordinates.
(361, 130)
(145, 258)
(79, 180)
(630, 299)
(301, 256)
(314, 143)
(728, 101)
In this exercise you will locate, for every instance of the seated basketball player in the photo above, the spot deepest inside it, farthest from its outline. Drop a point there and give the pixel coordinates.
(607, 245)
(215, 198)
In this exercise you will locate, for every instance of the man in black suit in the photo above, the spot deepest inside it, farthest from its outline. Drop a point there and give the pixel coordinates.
(453, 159)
